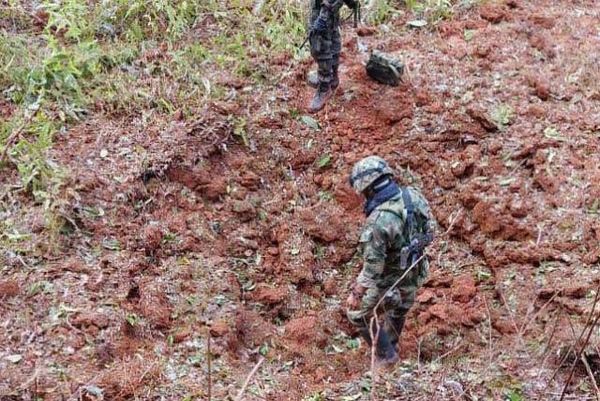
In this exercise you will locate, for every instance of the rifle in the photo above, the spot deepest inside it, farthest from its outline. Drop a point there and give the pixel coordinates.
(310, 32)
(418, 242)
(415, 249)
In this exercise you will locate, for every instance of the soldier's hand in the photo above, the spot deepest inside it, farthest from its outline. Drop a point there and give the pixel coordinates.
(352, 4)
(320, 25)
(353, 302)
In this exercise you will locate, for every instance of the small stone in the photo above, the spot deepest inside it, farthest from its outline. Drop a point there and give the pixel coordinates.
(543, 21)
(536, 111)
(312, 78)
(8, 289)
(330, 287)
(94, 391)
(493, 13)
(243, 207)
(15, 358)
(482, 118)
(87, 319)
(366, 31)
(464, 289)
(425, 296)
(542, 90)
(181, 336)
(219, 328)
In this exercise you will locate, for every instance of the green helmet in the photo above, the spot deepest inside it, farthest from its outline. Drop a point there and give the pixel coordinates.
(366, 171)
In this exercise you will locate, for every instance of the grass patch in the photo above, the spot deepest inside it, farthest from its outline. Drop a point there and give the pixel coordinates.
(73, 58)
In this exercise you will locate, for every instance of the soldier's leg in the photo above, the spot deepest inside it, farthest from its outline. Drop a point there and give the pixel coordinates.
(320, 45)
(320, 49)
(362, 318)
(399, 303)
(395, 323)
(336, 48)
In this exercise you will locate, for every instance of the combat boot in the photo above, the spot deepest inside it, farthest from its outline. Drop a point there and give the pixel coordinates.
(394, 326)
(322, 95)
(385, 351)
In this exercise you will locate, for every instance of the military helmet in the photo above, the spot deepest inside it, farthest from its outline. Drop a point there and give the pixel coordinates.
(366, 171)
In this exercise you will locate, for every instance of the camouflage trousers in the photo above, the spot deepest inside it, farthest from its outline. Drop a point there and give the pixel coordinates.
(395, 305)
(326, 47)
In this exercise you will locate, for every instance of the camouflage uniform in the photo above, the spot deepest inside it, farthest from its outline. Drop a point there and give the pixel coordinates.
(381, 241)
(325, 47)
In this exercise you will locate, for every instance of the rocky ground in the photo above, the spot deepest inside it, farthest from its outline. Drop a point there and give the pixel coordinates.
(238, 225)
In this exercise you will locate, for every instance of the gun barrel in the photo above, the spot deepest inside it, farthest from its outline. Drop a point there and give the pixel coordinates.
(305, 41)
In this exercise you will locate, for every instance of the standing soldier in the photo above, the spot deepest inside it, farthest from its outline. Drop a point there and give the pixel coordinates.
(325, 46)
(399, 225)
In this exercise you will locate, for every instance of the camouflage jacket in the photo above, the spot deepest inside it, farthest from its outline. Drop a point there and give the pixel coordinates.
(384, 236)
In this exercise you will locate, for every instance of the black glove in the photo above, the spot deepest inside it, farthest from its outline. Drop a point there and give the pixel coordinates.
(320, 24)
(351, 4)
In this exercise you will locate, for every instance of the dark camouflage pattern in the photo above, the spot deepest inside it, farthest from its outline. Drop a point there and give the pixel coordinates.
(381, 241)
(325, 47)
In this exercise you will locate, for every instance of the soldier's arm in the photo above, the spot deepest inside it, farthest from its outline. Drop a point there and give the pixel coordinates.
(374, 254)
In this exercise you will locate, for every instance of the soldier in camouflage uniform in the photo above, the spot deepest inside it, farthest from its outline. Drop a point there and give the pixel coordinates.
(399, 225)
(325, 46)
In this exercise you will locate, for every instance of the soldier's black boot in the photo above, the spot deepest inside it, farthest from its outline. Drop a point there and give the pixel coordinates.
(322, 95)
(385, 351)
(394, 326)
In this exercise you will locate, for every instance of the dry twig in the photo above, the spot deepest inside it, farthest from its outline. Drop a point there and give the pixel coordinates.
(535, 316)
(209, 361)
(590, 324)
(546, 352)
(12, 138)
(254, 370)
(591, 375)
(374, 339)
(590, 328)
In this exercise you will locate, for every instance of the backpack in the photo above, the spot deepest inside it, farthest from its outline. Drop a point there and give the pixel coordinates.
(417, 229)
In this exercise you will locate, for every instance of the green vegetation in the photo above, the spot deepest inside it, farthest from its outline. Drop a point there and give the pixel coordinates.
(433, 10)
(73, 58)
(428, 12)
(502, 115)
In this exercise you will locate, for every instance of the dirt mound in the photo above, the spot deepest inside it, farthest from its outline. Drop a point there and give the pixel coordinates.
(267, 295)
(124, 380)
(9, 289)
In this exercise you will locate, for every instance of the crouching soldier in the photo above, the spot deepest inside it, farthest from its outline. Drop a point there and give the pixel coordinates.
(399, 225)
